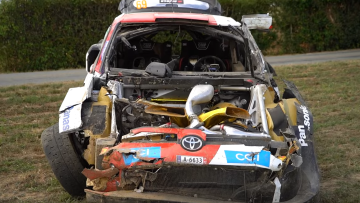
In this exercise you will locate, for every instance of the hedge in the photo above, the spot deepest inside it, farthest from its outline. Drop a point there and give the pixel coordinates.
(318, 25)
(51, 34)
(55, 34)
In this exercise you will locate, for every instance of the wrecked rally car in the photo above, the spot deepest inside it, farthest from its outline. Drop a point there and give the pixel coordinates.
(179, 105)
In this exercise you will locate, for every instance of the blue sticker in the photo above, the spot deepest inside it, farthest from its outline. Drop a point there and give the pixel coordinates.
(236, 157)
(148, 152)
(66, 119)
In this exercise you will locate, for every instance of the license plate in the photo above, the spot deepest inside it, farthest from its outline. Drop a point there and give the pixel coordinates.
(190, 159)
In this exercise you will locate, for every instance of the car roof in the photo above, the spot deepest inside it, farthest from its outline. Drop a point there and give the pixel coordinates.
(156, 17)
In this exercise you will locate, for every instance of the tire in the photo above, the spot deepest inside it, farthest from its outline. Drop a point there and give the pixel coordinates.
(64, 161)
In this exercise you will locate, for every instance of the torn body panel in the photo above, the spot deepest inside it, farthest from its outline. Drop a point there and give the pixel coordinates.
(70, 109)
(79, 94)
(95, 174)
(145, 151)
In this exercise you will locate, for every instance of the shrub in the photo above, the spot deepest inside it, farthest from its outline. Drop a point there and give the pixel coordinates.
(51, 34)
(55, 34)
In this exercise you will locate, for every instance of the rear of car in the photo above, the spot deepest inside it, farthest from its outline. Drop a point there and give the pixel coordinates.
(180, 106)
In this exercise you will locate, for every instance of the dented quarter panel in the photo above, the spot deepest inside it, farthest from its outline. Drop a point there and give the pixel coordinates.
(307, 177)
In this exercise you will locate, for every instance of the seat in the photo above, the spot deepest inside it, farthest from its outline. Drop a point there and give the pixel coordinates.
(166, 52)
(146, 52)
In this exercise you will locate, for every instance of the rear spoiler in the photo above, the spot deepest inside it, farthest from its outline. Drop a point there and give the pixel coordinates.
(258, 21)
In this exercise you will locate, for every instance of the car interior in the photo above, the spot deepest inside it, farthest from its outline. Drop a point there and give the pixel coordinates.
(183, 50)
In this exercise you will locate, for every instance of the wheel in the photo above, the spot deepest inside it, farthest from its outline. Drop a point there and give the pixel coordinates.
(204, 65)
(64, 161)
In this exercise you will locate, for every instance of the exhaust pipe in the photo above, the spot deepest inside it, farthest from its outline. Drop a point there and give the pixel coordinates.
(199, 94)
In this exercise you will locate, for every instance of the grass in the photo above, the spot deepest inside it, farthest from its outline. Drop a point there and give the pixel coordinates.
(25, 111)
(331, 90)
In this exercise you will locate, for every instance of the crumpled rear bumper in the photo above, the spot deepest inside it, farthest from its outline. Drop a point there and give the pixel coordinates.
(226, 172)
(132, 197)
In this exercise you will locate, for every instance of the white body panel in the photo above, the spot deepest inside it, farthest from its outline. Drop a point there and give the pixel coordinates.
(70, 109)
(257, 21)
(226, 21)
(70, 119)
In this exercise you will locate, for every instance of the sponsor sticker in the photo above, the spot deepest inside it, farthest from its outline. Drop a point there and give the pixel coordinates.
(66, 119)
(300, 131)
(304, 121)
(190, 159)
(172, 1)
(148, 152)
(239, 157)
(307, 117)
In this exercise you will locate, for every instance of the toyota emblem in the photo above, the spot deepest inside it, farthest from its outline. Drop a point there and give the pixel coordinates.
(192, 143)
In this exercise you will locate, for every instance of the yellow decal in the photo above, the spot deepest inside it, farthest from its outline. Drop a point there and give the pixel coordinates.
(141, 4)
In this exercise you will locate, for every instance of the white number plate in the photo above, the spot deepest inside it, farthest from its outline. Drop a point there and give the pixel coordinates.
(190, 159)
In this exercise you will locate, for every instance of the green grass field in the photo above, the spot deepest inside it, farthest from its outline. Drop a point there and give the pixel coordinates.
(331, 89)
